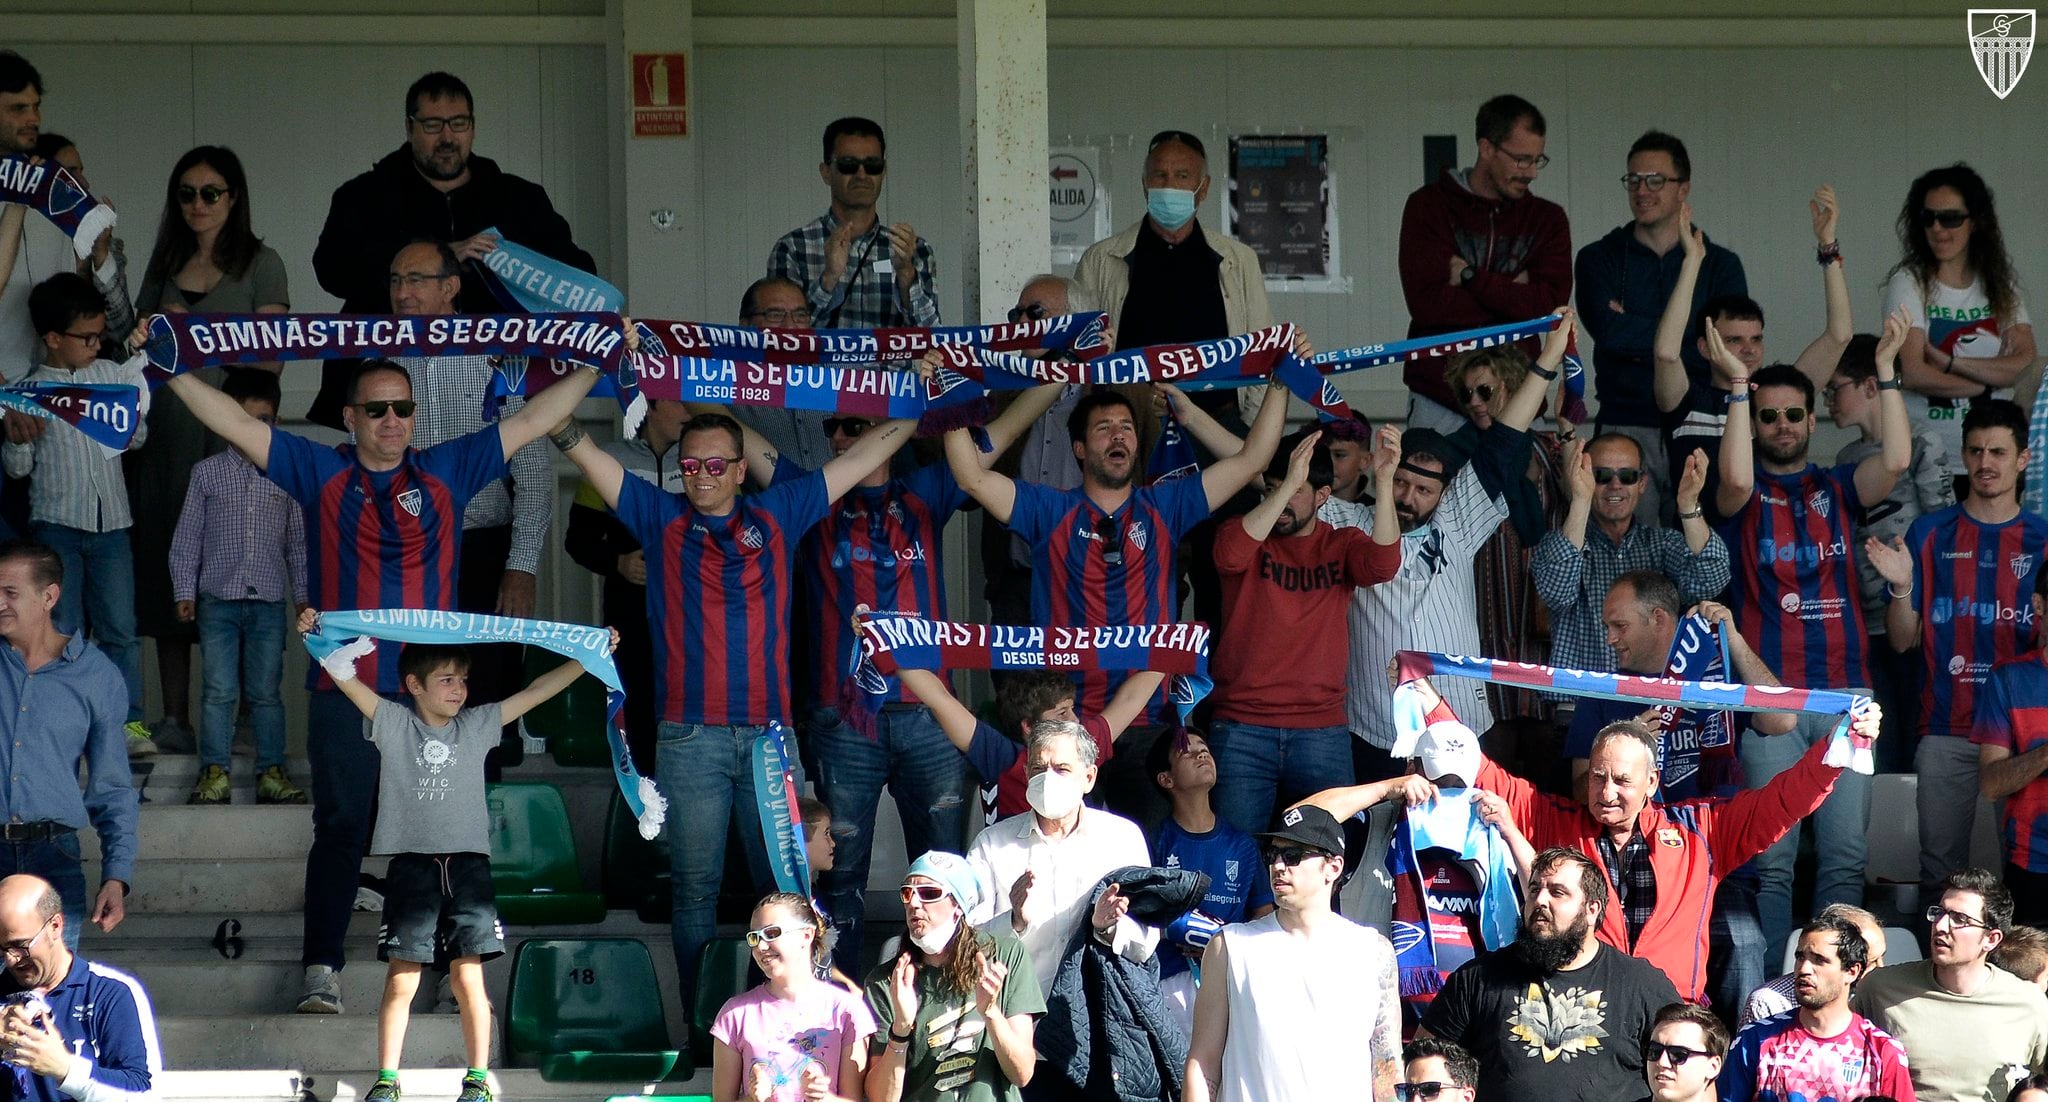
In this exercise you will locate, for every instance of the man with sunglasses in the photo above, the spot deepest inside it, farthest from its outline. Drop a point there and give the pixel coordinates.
(384, 528)
(856, 272)
(1789, 525)
(1688, 1046)
(1436, 1070)
(1508, 253)
(1820, 1049)
(1625, 282)
(432, 188)
(1973, 1030)
(69, 1028)
(1299, 1003)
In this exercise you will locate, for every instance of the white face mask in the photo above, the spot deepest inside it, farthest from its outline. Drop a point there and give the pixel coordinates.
(938, 937)
(1053, 795)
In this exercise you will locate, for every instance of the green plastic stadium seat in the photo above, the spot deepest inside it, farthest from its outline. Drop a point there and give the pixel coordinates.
(636, 876)
(721, 974)
(533, 859)
(588, 1010)
(572, 721)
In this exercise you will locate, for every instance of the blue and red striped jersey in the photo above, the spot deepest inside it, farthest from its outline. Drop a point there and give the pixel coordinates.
(1974, 584)
(1095, 569)
(383, 539)
(1795, 594)
(878, 546)
(718, 597)
(2012, 711)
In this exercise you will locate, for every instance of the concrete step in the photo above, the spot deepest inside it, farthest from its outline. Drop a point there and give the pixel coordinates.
(165, 779)
(201, 988)
(420, 1085)
(177, 831)
(231, 887)
(311, 1042)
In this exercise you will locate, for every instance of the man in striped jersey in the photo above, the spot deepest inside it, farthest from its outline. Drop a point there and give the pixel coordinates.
(718, 598)
(1795, 594)
(1960, 587)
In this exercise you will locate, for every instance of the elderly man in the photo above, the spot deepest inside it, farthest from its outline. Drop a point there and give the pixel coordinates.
(70, 1029)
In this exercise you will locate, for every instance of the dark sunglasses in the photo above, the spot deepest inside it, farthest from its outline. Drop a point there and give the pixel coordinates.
(1112, 541)
(375, 411)
(1290, 856)
(1654, 1053)
(1483, 390)
(851, 426)
(1627, 476)
(1180, 137)
(1948, 219)
(208, 194)
(715, 466)
(923, 893)
(1403, 1092)
(764, 935)
(1035, 312)
(1769, 416)
(873, 166)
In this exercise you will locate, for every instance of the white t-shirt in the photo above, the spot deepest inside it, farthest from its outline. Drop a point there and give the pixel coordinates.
(1959, 321)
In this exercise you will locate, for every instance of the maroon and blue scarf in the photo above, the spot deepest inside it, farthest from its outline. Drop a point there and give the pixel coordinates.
(46, 188)
(178, 343)
(107, 413)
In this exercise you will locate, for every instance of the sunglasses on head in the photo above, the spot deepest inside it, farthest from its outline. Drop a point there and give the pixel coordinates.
(851, 426)
(208, 194)
(1407, 1092)
(1290, 856)
(1112, 541)
(1947, 219)
(1484, 391)
(715, 466)
(1655, 1053)
(375, 411)
(922, 893)
(764, 935)
(1627, 476)
(1792, 414)
(873, 166)
(1034, 311)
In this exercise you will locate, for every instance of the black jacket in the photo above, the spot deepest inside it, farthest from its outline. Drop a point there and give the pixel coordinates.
(1106, 1031)
(387, 208)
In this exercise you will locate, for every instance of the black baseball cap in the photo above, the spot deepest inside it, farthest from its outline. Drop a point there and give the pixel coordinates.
(1308, 825)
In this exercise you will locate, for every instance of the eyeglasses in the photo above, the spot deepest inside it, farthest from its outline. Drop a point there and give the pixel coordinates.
(1956, 919)
(1649, 181)
(1679, 1055)
(922, 893)
(1405, 1092)
(1948, 219)
(1034, 311)
(1768, 415)
(1290, 856)
(764, 935)
(1526, 161)
(1112, 541)
(415, 279)
(16, 950)
(87, 338)
(799, 316)
(1627, 476)
(208, 194)
(1832, 392)
(715, 466)
(873, 166)
(457, 124)
(375, 411)
(851, 426)
(1484, 391)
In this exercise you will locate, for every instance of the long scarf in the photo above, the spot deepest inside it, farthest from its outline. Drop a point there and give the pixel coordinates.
(1081, 334)
(178, 343)
(527, 280)
(352, 634)
(1697, 739)
(1360, 357)
(1845, 749)
(107, 413)
(782, 824)
(46, 188)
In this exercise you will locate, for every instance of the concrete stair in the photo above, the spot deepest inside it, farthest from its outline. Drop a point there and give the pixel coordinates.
(424, 1085)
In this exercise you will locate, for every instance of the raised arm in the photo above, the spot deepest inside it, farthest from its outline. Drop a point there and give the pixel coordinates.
(362, 696)
(1258, 524)
(875, 446)
(1750, 668)
(1670, 382)
(1818, 360)
(1130, 700)
(996, 492)
(1877, 474)
(1894, 563)
(544, 687)
(1206, 430)
(1527, 400)
(1386, 459)
(1222, 479)
(1578, 475)
(1738, 444)
(1016, 419)
(954, 718)
(225, 417)
(545, 410)
(604, 473)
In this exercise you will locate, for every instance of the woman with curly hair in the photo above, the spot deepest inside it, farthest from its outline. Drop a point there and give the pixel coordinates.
(795, 1037)
(955, 1007)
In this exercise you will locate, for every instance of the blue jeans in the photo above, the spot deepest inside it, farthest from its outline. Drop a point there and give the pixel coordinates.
(706, 773)
(1840, 831)
(926, 776)
(99, 578)
(1257, 768)
(57, 861)
(344, 782)
(241, 647)
(1739, 960)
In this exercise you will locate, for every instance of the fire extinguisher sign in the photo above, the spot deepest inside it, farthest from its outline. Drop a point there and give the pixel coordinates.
(661, 105)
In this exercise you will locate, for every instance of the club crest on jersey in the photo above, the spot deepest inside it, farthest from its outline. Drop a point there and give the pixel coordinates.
(751, 538)
(1821, 503)
(1139, 536)
(1230, 871)
(2020, 564)
(410, 501)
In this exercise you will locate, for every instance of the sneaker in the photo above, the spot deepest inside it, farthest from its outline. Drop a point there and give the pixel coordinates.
(474, 1090)
(385, 1090)
(323, 992)
(273, 787)
(211, 787)
(173, 737)
(139, 744)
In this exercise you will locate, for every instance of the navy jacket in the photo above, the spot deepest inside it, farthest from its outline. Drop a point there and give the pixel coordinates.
(1618, 268)
(105, 1018)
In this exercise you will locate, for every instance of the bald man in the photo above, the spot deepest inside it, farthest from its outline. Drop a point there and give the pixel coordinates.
(78, 1030)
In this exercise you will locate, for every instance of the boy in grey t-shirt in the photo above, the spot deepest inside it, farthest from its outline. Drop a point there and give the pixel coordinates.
(434, 823)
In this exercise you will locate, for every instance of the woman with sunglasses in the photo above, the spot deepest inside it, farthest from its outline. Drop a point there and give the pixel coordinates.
(207, 260)
(795, 1037)
(1971, 336)
(957, 1005)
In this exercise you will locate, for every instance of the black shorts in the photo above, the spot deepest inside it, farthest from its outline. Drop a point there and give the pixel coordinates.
(444, 901)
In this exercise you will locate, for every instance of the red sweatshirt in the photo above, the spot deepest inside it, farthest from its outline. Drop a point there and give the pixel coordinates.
(1502, 240)
(1281, 659)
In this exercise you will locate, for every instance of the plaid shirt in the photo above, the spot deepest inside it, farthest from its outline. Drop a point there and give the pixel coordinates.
(866, 297)
(1574, 581)
(1633, 879)
(239, 538)
(450, 393)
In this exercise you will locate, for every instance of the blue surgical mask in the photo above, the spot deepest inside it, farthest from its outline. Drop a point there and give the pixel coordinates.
(1171, 207)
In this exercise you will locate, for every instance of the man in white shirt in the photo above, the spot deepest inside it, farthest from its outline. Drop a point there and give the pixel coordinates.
(1041, 866)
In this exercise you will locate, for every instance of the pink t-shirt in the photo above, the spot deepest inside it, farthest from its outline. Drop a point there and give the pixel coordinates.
(787, 1035)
